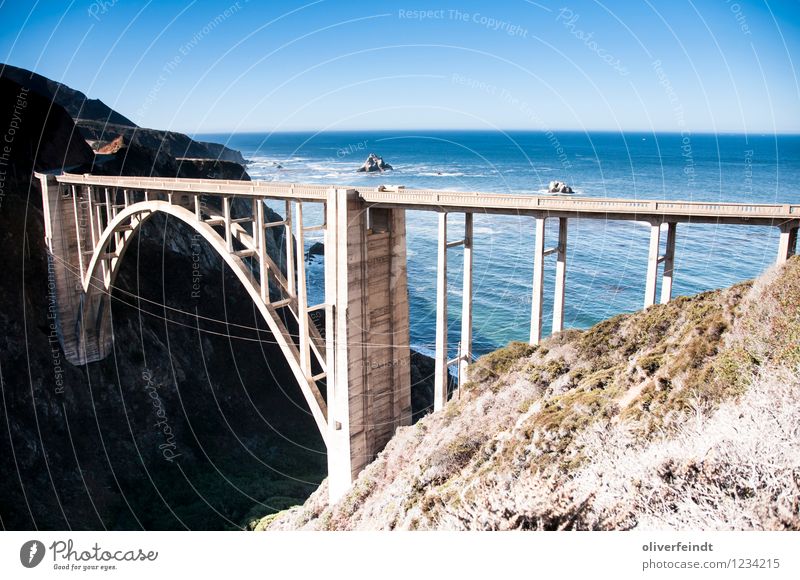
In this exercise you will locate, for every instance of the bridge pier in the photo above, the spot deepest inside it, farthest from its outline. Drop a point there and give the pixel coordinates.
(82, 318)
(537, 296)
(371, 393)
(440, 355)
(561, 276)
(787, 246)
(464, 355)
(654, 260)
(465, 345)
(669, 264)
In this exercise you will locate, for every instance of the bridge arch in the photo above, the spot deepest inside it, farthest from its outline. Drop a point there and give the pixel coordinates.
(103, 267)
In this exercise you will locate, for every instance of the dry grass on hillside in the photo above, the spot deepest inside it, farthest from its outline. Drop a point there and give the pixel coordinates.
(683, 416)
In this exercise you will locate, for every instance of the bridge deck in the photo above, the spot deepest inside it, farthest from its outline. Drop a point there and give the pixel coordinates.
(760, 214)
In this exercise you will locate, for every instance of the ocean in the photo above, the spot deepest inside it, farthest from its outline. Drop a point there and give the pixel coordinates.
(606, 260)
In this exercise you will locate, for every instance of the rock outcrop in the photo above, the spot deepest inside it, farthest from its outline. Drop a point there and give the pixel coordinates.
(136, 151)
(77, 105)
(316, 249)
(374, 164)
(111, 147)
(163, 146)
(222, 153)
(42, 136)
(559, 187)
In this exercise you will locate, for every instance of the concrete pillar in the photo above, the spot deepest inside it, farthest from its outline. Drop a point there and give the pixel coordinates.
(787, 245)
(105, 266)
(669, 264)
(260, 237)
(76, 209)
(288, 240)
(226, 214)
(303, 341)
(561, 275)
(538, 283)
(336, 336)
(440, 380)
(110, 211)
(652, 267)
(369, 395)
(92, 217)
(82, 320)
(466, 305)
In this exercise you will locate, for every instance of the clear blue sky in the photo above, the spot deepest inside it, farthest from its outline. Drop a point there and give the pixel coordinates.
(725, 66)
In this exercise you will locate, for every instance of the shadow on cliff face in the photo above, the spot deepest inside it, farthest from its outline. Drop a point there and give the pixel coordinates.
(185, 425)
(206, 421)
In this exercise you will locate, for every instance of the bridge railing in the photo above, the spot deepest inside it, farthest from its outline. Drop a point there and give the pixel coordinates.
(537, 203)
(435, 199)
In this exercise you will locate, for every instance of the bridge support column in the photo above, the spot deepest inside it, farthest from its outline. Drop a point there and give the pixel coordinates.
(303, 338)
(538, 283)
(465, 352)
(652, 266)
(653, 261)
(82, 320)
(787, 246)
(440, 379)
(537, 296)
(561, 275)
(366, 282)
(464, 357)
(669, 264)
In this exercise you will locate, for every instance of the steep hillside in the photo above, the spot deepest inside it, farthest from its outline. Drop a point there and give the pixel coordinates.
(685, 415)
(78, 105)
(99, 124)
(165, 144)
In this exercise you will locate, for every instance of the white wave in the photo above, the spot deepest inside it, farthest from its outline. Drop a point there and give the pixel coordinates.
(325, 167)
(544, 191)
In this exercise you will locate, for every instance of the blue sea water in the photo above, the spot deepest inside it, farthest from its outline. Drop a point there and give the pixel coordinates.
(606, 260)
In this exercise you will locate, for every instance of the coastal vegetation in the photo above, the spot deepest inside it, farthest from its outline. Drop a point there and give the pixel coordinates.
(682, 416)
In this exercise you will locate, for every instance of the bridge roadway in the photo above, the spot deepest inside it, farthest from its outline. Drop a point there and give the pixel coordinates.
(361, 360)
(759, 214)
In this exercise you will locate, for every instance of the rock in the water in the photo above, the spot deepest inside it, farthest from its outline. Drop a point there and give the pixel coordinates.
(374, 164)
(559, 187)
(316, 249)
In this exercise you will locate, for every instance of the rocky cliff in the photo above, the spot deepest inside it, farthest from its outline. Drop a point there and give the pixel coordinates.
(76, 104)
(682, 416)
(164, 145)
